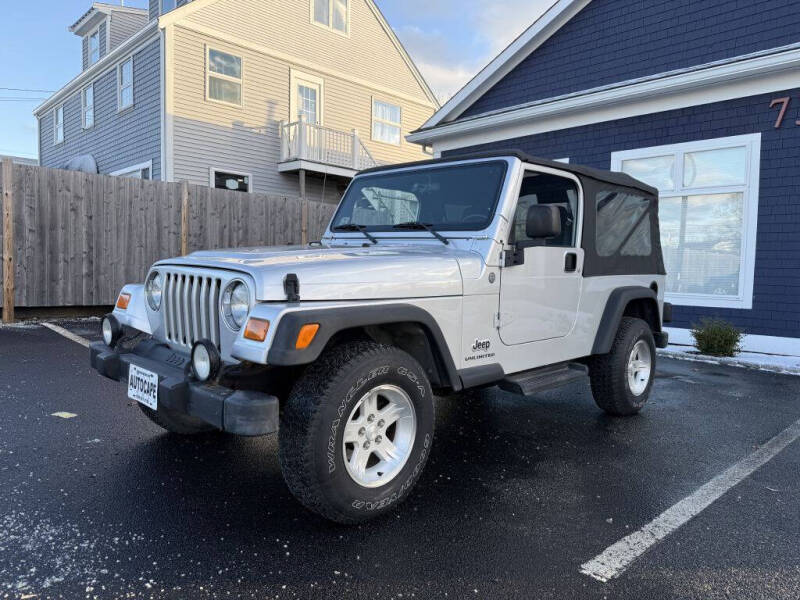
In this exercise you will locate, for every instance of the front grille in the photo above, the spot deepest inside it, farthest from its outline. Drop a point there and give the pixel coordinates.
(191, 308)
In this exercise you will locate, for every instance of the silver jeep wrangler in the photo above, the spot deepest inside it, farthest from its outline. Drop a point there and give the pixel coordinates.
(432, 278)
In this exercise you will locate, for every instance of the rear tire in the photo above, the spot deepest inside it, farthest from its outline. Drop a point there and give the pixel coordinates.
(622, 379)
(356, 431)
(175, 422)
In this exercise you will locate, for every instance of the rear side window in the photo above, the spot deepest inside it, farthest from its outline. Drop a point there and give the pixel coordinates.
(623, 225)
(543, 188)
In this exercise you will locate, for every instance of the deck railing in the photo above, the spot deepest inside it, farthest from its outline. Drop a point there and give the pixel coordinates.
(301, 140)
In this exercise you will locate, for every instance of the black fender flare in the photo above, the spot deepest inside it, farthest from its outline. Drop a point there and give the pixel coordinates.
(282, 352)
(612, 314)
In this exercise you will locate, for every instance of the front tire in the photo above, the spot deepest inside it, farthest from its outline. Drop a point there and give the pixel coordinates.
(356, 431)
(622, 379)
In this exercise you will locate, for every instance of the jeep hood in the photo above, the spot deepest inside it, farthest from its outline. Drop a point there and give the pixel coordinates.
(345, 273)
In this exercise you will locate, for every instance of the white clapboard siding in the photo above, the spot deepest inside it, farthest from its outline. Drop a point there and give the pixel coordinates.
(246, 139)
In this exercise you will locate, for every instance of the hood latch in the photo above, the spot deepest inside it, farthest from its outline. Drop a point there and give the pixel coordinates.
(291, 286)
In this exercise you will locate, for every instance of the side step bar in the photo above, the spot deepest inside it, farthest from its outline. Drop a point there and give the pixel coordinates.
(544, 378)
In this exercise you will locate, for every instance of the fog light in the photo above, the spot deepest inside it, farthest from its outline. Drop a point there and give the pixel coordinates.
(205, 360)
(111, 329)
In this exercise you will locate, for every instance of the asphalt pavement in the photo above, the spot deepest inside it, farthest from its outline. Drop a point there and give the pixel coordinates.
(517, 495)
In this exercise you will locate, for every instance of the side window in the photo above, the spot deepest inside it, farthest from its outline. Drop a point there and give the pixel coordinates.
(622, 224)
(543, 188)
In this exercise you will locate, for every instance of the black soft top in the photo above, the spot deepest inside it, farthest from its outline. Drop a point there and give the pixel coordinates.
(612, 177)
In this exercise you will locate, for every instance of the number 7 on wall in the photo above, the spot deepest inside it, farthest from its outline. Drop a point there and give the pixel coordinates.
(784, 102)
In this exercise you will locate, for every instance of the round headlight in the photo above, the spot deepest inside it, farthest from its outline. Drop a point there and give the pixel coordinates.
(205, 360)
(153, 289)
(236, 304)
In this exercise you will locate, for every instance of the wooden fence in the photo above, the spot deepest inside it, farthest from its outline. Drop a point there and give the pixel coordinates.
(73, 239)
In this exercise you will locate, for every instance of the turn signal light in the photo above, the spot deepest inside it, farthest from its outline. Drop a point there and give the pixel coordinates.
(256, 329)
(307, 334)
(123, 301)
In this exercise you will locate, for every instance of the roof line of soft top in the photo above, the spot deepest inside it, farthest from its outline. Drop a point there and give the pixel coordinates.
(613, 177)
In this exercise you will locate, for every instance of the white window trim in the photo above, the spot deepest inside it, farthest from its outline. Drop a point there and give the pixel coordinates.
(296, 77)
(391, 123)
(212, 172)
(749, 215)
(210, 74)
(56, 141)
(329, 26)
(93, 32)
(121, 108)
(83, 107)
(133, 168)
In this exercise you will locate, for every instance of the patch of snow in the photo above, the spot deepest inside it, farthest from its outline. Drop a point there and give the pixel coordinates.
(774, 363)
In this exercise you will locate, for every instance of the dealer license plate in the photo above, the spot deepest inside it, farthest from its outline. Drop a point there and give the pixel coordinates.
(143, 386)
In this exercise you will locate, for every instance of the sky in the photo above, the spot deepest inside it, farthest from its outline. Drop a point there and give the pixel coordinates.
(449, 40)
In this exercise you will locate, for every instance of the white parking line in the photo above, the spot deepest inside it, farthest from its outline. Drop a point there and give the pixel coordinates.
(68, 334)
(618, 557)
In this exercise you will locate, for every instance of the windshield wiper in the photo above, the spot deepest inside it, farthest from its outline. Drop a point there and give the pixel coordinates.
(419, 226)
(360, 228)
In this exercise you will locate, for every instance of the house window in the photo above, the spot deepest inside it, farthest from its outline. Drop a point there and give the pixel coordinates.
(227, 180)
(87, 107)
(140, 171)
(125, 85)
(386, 122)
(708, 211)
(167, 5)
(224, 77)
(333, 14)
(94, 46)
(58, 125)
(306, 100)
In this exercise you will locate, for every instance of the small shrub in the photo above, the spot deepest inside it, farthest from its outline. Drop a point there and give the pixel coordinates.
(717, 337)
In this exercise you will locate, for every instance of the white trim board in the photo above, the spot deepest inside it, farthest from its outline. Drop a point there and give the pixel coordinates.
(533, 37)
(765, 344)
(741, 77)
(143, 165)
(749, 189)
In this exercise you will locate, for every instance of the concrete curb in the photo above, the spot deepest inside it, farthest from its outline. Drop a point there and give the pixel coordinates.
(730, 362)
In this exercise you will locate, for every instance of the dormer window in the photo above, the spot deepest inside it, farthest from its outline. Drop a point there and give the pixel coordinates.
(94, 46)
(167, 5)
(332, 14)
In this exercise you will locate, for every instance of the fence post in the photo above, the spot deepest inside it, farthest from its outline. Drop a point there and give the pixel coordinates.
(8, 240)
(356, 149)
(184, 218)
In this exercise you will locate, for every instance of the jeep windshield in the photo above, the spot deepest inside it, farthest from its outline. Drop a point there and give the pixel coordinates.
(442, 198)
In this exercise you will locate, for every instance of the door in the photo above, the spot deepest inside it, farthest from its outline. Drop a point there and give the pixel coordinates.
(306, 107)
(539, 295)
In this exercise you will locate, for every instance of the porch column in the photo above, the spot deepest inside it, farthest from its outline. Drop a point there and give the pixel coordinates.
(303, 209)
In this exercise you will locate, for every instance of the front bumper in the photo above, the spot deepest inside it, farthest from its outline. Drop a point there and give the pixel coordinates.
(242, 412)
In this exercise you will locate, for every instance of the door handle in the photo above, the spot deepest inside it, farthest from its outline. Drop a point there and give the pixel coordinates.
(570, 262)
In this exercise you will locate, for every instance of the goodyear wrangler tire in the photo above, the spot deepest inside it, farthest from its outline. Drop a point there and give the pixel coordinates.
(622, 379)
(356, 431)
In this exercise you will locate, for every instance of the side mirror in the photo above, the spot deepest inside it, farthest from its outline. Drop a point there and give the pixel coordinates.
(543, 222)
